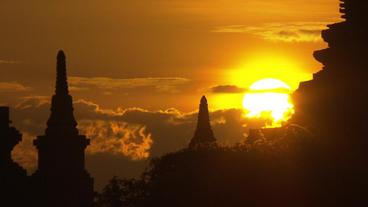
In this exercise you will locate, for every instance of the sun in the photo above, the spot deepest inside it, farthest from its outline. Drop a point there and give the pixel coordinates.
(269, 99)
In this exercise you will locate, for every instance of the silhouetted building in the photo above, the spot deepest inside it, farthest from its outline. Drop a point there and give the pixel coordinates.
(203, 136)
(61, 178)
(334, 104)
(333, 107)
(13, 178)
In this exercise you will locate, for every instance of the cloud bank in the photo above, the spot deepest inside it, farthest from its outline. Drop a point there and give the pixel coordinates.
(284, 32)
(159, 84)
(13, 87)
(9, 62)
(227, 89)
(130, 136)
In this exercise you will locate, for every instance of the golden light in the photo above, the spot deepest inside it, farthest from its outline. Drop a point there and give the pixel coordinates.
(269, 99)
(288, 68)
(277, 66)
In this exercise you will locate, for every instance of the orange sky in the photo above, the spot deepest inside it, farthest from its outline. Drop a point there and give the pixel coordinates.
(138, 68)
(158, 54)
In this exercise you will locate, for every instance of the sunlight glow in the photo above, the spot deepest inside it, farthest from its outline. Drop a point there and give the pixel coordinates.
(259, 66)
(269, 99)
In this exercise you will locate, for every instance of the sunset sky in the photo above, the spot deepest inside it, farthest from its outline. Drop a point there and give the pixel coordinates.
(138, 68)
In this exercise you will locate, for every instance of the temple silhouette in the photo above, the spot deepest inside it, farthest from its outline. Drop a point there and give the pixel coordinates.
(61, 178)
(332, 107)
(328, 168)
(203, 135)
(13, 178)
(333, 104)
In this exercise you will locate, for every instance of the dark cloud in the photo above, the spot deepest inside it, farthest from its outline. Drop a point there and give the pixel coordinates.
(285, 32)
(159, 84)
(227, 89)
(130, 135)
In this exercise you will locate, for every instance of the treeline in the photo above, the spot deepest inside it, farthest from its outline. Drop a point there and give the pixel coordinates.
(263, 173)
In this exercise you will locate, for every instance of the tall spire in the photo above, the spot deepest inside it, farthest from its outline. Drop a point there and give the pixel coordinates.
(62, 117)
(203, 136)
(61, 77)
(61, 178)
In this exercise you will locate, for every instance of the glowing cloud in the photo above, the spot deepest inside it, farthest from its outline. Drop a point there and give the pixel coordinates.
(13, 87)
(117, 138)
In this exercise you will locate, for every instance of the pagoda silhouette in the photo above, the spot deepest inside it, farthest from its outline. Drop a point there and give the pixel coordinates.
(333, 104)
(61, 179)
(333, 107)
(13, 178)
(203, 135)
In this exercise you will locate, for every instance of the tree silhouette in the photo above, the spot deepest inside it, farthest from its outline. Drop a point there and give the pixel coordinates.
(241, 175)
(122, 193)
(264, 172)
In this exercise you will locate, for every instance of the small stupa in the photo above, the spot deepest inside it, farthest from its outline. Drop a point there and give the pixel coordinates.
(203, 136)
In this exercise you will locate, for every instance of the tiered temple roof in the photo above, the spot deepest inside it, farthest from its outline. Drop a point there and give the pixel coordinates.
(61, 178)
(333, 104)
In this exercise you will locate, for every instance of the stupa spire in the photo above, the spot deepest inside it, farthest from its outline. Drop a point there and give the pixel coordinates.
(61, 178)
(62, 117)
(203, 136)
(61, 77)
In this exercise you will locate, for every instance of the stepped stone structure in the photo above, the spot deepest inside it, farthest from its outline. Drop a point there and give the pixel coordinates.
(13, 178)
(203, 136)
(61, 179)
(334, 104)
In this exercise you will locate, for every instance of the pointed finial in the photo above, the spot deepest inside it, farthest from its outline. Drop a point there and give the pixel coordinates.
(61, 77)
(203, 100)
(61, 55)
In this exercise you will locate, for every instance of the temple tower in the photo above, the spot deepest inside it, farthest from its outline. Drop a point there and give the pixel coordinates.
(333, 104)
(61, 178)
(203, 136)
(333, 107)
(13, 178)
